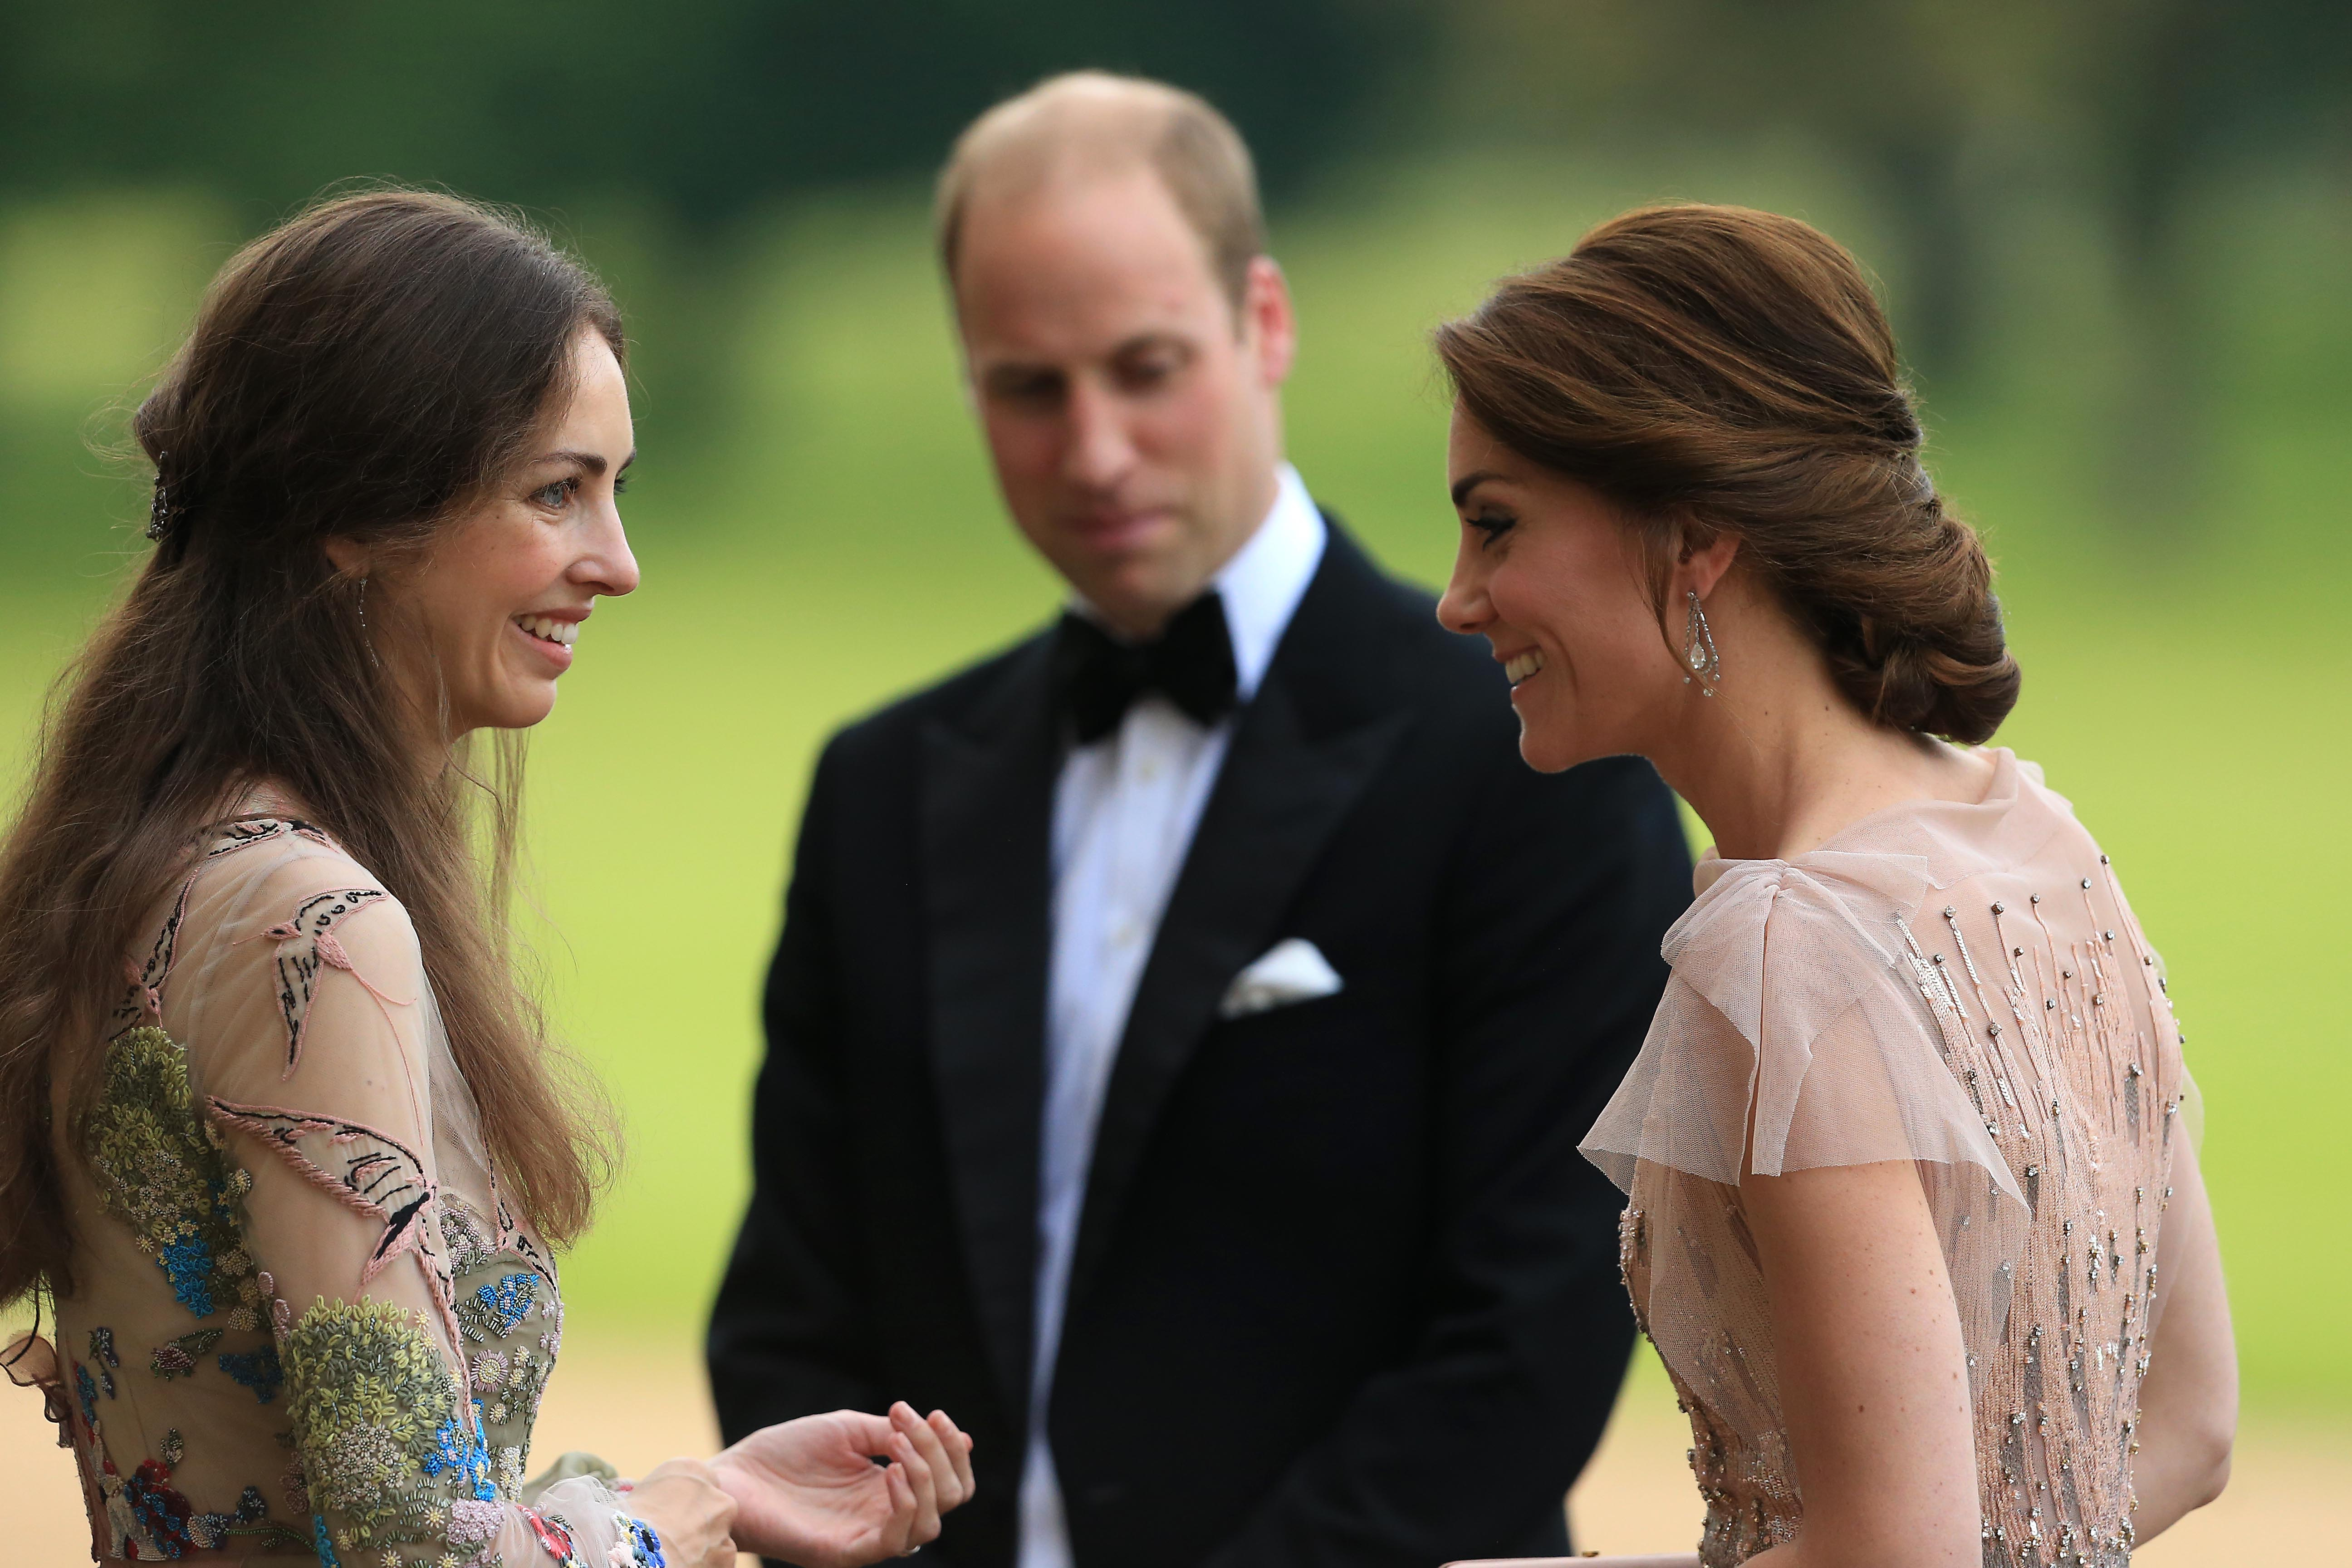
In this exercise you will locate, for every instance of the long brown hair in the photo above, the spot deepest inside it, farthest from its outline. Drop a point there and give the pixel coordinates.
(362, 372)
(1715, 369)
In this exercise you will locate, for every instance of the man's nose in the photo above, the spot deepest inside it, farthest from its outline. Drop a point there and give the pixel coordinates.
(1100, 450)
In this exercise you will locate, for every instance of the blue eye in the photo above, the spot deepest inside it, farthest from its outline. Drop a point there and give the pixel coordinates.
(554, 496)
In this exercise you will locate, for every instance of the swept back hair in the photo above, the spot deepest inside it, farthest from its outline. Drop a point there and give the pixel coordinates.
(364, 372)
(1718, 370)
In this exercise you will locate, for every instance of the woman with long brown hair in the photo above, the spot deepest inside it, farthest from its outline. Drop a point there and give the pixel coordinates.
(1905, 1148)
(281, 1140)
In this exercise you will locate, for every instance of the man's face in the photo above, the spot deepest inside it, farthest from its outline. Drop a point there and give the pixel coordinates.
(1135, 424)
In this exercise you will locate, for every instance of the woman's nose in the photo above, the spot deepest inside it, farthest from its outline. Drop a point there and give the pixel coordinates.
(611, 567)
(1463, 607)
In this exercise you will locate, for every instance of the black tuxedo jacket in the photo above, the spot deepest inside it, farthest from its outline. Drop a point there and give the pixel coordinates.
(1344, 1292)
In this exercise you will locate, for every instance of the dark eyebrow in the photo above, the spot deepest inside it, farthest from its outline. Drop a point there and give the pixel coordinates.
(591, 461)
(1468, 482)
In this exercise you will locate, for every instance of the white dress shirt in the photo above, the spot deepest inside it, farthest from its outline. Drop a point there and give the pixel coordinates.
(1124, 812)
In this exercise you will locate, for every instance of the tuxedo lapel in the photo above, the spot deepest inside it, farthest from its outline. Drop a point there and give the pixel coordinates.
(987, 808)
(1286, 784)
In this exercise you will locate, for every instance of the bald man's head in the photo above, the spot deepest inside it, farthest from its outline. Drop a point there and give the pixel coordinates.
(1092, 124)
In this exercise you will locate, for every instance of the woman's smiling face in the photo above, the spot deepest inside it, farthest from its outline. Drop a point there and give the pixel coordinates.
(504, 592)
(1551, 574)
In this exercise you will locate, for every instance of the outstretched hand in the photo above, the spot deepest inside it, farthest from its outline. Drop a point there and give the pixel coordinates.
(846, 1490)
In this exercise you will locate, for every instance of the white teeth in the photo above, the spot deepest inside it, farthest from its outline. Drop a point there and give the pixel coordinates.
(548, 629)
(1524, 664)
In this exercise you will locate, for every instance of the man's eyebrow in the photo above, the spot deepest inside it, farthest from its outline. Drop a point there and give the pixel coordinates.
(1142, 340)
(1468, 482)
(1010, 372)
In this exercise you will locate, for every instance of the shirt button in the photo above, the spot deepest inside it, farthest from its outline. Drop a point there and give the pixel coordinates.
(1122, 933)
(1148, 770)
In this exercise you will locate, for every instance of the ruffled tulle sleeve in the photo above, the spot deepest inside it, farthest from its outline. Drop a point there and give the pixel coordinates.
(1799, 1029)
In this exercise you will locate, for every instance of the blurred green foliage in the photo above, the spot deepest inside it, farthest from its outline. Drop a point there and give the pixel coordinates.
(703, 107)
(2113, 234)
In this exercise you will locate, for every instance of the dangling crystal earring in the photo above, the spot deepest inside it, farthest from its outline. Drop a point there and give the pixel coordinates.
(1699, 653)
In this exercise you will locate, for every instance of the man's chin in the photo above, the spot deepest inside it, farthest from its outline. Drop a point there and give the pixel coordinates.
(1137, 594)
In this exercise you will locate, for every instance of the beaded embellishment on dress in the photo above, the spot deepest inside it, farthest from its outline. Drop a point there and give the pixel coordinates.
(354, 1383)
(1962, 987)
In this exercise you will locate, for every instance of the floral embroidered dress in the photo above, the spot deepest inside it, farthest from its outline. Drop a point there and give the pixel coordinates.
(1960, 986)
(304, 1322)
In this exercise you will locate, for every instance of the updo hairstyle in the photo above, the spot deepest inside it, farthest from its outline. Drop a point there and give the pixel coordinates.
(1717, 370)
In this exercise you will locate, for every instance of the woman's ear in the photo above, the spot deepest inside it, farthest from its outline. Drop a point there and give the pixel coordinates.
(1702, 566)
(349, 555)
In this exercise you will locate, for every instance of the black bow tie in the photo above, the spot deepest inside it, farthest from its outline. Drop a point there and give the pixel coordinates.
(1191, 663)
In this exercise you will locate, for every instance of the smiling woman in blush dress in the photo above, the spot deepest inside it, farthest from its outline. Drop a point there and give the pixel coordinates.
(279, 1136)
(1915, 1220)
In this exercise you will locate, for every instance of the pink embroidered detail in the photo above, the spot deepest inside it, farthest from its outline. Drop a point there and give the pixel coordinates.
(380, 1176)
(242, 832)
(144, 1004)
(307, 943)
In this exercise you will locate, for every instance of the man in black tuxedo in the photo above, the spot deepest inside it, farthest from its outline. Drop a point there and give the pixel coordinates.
(1214, 952)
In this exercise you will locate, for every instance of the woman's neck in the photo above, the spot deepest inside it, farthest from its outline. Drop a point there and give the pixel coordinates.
(1779, 760)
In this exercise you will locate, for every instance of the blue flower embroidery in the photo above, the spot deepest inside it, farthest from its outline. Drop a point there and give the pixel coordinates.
(493, 1310)
(326, 1548)
(188, 1264)
(88, 1390)
(258, 1371)
(645, 1543)
(462, 1448)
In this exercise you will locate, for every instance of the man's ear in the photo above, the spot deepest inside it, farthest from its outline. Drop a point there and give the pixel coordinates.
(1266, 317)
(349, 555)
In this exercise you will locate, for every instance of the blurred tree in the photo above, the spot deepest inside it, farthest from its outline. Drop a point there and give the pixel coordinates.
(1948, 111)
(1943, 106)
(704, 105)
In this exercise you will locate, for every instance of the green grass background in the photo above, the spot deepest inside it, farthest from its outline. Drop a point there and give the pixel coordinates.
(818, 531)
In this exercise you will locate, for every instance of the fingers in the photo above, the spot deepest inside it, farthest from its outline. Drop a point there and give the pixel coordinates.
(957, 1444)
(897, 1534)
(925, 1484)
(947, 1486)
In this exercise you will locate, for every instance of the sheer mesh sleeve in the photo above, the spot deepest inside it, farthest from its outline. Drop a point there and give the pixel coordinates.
(1799, 1029)
(314, 1049)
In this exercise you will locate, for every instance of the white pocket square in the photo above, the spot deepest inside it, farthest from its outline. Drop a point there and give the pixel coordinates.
(1293, 970)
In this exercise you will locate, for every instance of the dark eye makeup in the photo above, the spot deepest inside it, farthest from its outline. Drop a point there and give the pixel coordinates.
(1493, 524)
